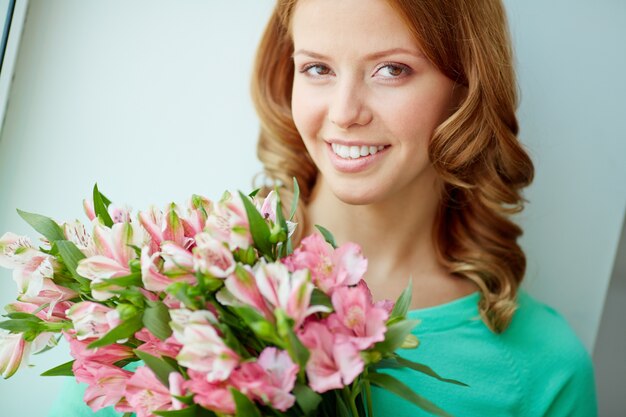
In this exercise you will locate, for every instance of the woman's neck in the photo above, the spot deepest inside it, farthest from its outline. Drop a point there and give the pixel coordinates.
(397, 239)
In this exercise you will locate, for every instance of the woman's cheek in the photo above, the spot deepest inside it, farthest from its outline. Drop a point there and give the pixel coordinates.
(307, 111)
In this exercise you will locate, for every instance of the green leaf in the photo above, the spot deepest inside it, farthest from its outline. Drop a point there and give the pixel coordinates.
(401, 307)
(320, 298)
(395, 386)
(61, 370)
(160, 367)
(260, 326)
(180, 290)
(327, 236)
(22, 326)
(44, 225)
(130, 280)
(426, 370)
(298, 352)
(23, 316)
(191, 411)
(342, 407)
(70, 255)
(259, 229)
(280, 217)
(244, 407)
(105, 200)
(395, 335)
(156, 319)
(296, 197)
(307, 399)
(254, 193)
(123, 331)
(100, 204)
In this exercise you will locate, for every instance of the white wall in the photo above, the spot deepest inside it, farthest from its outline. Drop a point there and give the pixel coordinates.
(570, 60)
(150, 99)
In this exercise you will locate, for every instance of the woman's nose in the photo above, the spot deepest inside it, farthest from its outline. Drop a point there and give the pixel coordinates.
(348, 106)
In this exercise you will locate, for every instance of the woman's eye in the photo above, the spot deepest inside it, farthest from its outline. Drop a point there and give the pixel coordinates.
(393, 70)
(316, 70)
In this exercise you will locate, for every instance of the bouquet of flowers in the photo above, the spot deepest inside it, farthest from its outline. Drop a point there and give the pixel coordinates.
(205, 311)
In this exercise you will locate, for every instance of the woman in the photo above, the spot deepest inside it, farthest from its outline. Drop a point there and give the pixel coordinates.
(398, 120)
(397, 117)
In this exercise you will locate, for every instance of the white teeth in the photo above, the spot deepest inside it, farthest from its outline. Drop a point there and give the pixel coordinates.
(355, 152)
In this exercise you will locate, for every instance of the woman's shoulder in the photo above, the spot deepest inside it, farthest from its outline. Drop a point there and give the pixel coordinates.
(552, 357)
(540, 331)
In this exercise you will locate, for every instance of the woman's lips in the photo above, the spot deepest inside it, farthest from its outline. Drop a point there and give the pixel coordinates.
(350, 164)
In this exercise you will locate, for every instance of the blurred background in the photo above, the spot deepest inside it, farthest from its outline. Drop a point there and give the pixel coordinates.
(150, 99)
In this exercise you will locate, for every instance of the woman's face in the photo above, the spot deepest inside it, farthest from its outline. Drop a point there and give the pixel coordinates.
(365, 99)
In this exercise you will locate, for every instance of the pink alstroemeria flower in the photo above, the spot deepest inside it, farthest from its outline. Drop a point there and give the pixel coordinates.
(357, 318)
(329, 268)
(88, 208)
(145, 393)
(119, 214)
(229, 223)
(15, 350)
(243, 287)
(332, 365)
(281, 377)
(211, 257)
(215, 396)
(156, 347)
(106, 383)
(162, 227)
(30, 266)
(92, 319)
(114, 251)
(152, 269)
(268, 380)
(52, 314)
(177, 261)
(76, 232)
(197, 213)
(290, 292)
(50, 294)
(107, 355)
(270, 206)
(203, 348)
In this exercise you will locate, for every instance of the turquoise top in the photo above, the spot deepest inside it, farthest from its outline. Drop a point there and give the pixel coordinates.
(537, 367)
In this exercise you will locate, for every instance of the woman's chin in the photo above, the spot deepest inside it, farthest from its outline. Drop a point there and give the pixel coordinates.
(356, 196)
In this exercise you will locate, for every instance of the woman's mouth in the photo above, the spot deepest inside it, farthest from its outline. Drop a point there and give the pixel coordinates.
(355, 152)
(355, 158)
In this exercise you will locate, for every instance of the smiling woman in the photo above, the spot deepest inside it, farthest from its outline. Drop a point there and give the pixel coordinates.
(398, 120)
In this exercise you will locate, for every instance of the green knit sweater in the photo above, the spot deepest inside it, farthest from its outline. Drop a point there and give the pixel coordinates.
(537, 367)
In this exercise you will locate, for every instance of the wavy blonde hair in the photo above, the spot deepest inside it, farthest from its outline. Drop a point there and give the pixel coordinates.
(475, 151)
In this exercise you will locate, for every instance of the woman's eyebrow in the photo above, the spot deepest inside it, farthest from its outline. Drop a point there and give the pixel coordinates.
(372, 56)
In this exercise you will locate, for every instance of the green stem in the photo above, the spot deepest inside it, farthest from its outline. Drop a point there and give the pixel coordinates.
(368, 394)
(57, 327)
(347, 395)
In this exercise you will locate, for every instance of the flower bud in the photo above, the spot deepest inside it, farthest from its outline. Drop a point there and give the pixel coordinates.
(126, 311)
(371, 357)
(410, 342)
(277, 234)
